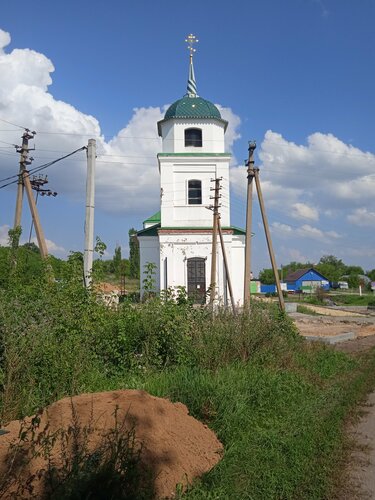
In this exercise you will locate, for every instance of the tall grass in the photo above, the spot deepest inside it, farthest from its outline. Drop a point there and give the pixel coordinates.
(281, 422)
(277, 404)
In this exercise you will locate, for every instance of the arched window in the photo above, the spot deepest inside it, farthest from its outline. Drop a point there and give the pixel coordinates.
(193, 137)
(195, 192)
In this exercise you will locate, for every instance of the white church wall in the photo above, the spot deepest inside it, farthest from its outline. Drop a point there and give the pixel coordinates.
(168, 142)
(175, 174)
(173, 133)
(237, 267)
(149, 251)
(176, 248)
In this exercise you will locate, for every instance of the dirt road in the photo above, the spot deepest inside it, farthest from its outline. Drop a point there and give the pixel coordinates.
(359, 483)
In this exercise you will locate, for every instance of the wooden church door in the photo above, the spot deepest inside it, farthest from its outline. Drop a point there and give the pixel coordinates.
(196, 278)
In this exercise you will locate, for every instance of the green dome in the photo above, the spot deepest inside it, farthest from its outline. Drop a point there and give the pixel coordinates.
(192, 107)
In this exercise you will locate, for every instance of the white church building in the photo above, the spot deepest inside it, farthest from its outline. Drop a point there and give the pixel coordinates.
(178, 238)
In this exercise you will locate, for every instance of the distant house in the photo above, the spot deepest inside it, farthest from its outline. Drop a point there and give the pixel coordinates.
(306, 280)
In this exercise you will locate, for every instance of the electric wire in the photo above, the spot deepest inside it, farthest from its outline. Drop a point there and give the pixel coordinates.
(10, 123)
(39, 168)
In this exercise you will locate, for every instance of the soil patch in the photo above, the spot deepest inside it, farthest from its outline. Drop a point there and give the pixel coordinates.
(320, 326)
(359, 480)
(176, 447)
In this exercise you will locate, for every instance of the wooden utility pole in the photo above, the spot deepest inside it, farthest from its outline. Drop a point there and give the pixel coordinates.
(35, 216)
(24, 183)
(24, 160)
(214, 239)
(227, 272)
(249, 209)
(88, 255)
(268, 238)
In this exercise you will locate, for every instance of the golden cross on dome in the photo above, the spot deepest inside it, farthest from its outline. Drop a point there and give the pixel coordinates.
(191, 40)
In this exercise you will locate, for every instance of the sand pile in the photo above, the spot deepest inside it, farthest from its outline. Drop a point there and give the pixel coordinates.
(176, 448)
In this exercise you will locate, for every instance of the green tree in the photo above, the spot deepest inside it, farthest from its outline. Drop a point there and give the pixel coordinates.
(353, 281)
(354, 270)
(294, 266)
(117, 262)
(266, 277)
(133, 253)
(331, 267)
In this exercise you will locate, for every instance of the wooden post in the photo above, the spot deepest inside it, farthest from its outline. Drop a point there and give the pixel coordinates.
(24, 160)
(35, 216)
(226, 265)
(214, 242)
(268, 238)
(249, 209)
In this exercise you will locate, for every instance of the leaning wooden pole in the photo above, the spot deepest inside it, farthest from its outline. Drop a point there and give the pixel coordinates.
(227, 272)
(35, 216)
(268, 238)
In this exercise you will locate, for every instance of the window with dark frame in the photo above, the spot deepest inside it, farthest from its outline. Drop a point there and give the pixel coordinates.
(195, 192)
(193, 137)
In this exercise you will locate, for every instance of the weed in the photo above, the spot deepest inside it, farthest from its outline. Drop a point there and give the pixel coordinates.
(306, 310)
(72, 467)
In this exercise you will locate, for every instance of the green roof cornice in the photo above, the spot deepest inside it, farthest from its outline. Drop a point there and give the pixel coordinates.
(154, 218)
(154, 230)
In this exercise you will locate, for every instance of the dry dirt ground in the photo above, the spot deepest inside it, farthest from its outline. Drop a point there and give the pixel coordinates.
(359, 483)
(176, 448)
(360, 471)
(328, 326)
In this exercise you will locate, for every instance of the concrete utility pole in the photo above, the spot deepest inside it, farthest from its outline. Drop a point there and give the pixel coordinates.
(249, 209)
(215, 209)
(268, 238)
(89, 219)
(24, 160)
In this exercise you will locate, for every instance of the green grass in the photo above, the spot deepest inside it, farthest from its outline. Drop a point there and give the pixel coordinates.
(352, 299)
(277, 404)
(281, 426)
(306, 310)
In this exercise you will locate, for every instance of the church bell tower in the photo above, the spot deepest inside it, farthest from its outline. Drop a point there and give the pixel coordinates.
(178, 238)
(193, 153)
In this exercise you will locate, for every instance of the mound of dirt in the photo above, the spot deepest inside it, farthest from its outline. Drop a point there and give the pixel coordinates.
(175, 447)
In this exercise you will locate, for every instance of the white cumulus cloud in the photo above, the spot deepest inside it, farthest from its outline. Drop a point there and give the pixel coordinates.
(4, 238)
(303, 211)
(127, 177)
(362, 217)
(304, 231)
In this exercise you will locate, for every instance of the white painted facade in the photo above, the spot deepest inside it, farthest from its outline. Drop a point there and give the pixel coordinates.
(184, 229)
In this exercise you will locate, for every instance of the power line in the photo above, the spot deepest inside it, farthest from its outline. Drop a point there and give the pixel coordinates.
(14, 124)
(9, 143)
(38, 169)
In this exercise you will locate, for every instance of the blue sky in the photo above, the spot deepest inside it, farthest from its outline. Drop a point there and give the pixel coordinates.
(296, 75)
